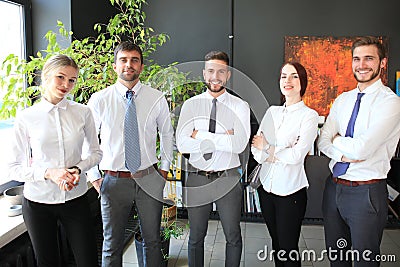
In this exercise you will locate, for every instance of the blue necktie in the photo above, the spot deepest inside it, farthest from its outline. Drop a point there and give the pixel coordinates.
(212, 124)
(131, 134)
(340, 168)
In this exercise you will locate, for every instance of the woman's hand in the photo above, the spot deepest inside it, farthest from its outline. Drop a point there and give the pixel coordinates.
(259, 141)
(66, 179)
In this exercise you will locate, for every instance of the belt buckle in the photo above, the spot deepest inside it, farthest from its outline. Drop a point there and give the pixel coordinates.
(208, 174)
(136, 175)
(214, 174)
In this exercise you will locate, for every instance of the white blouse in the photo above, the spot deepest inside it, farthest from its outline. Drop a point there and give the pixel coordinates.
(52, 136)
(292, 130)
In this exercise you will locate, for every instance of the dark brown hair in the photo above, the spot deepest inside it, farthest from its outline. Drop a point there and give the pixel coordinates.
(128, 46)
(219, 55)
(370, 40)
(301, 71)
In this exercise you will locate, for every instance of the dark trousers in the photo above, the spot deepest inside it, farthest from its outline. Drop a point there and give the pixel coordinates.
(354, 219)
(283, 216)
(41, 220)
(118, 195)
(226, 192)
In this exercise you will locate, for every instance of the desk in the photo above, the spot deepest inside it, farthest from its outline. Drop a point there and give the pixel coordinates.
(10, 227)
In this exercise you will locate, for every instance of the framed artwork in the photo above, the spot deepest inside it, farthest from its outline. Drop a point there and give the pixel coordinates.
(398, 82)
(328, 64)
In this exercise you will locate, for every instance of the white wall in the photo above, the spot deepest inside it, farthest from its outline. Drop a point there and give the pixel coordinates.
(45, 14)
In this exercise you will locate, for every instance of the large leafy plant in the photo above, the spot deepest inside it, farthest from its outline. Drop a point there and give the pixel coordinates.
(95, 57)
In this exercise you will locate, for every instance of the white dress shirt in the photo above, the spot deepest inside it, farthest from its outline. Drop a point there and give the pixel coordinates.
(232, 114)
(376, 132)
(109, 106)
(52, 136)
(292, 130)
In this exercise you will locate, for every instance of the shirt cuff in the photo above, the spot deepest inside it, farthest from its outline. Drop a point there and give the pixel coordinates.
(38, 174)
(165, 165)
(336, 154)
(203, 135)
(259, 155)
(93, 175)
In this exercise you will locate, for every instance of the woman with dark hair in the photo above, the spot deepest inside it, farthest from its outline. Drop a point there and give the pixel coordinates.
(284, 138)
(47, 155)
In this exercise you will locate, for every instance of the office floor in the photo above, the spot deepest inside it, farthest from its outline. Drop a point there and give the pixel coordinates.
(255, 238)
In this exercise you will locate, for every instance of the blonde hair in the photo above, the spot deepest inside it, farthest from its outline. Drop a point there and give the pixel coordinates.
(54, 63)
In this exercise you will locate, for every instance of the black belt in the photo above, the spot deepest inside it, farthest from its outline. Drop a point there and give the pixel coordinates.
(213, 174)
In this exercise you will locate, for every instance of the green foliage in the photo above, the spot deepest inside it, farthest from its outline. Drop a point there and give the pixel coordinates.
(94, 56)
(173, 230)
(177, 86)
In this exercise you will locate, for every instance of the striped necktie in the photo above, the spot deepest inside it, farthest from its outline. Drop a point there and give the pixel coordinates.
(131, 134)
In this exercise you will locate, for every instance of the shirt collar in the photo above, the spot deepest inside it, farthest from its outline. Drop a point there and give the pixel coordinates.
(122, 88)
(47, 106)
(294, 107)
(220, 98)
(372, 88)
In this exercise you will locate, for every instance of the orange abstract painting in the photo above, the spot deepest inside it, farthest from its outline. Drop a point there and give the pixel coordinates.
(328, 64)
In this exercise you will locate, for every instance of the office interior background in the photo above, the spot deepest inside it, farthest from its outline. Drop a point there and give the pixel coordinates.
(251, 31)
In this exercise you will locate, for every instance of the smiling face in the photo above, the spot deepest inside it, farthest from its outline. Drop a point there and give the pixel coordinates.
(216, 74)
(59, 83)
(290, 82)
(128, 66)
(366, 65)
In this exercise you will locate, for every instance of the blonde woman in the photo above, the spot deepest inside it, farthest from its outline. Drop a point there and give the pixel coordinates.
(285, 136)
(47, 156)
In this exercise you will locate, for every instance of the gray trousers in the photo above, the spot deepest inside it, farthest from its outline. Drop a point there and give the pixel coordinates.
(226, 192)
(354, 220)
(117, 198)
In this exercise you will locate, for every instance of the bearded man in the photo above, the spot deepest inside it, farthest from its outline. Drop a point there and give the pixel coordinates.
(360, 136)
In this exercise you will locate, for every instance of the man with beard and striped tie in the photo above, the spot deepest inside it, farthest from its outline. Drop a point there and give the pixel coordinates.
(128, 115)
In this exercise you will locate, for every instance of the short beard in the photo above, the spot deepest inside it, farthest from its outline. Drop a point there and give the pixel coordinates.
(215, 90)
(373, 76)
(125, 78)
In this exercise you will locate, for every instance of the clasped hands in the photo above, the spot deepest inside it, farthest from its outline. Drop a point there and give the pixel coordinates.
(66, 179)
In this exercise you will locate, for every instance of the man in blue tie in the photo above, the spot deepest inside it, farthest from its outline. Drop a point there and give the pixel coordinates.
(360, 136)
(128, 115)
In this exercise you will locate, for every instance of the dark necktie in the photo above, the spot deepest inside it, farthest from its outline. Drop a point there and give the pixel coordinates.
(131, 134)
(340, 168)
(212, 124)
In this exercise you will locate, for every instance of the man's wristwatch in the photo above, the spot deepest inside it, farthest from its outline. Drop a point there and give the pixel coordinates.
(77, 168)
